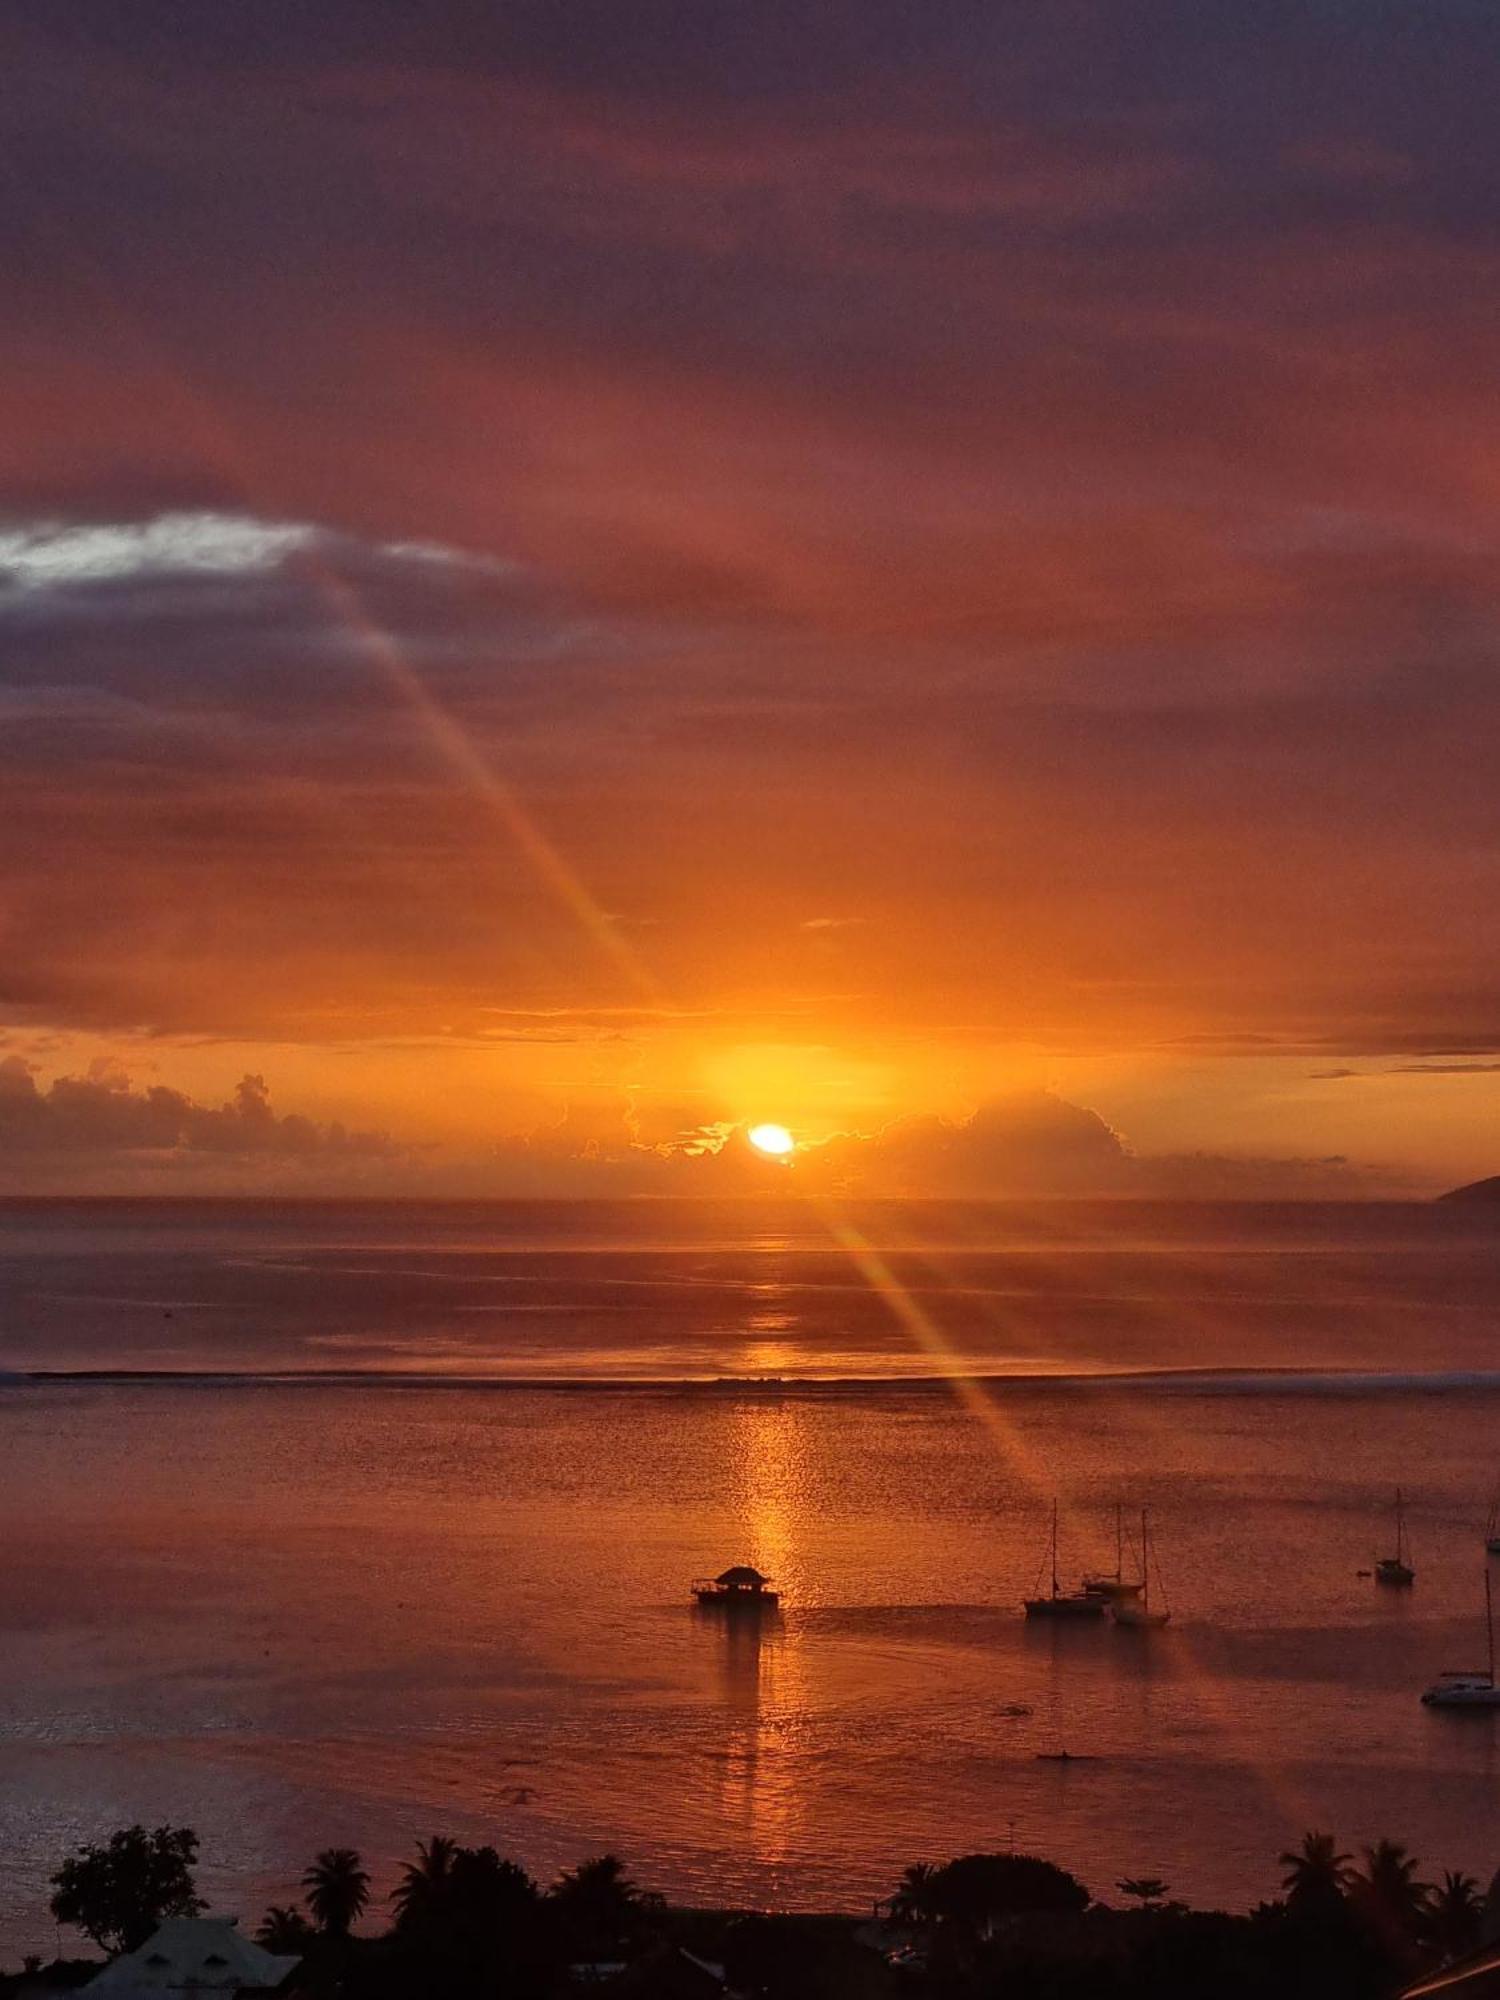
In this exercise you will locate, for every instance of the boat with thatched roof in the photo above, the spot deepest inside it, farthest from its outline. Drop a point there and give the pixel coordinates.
(739, 1588)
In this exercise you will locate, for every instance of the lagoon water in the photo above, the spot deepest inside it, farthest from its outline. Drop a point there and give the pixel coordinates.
(351, 1523)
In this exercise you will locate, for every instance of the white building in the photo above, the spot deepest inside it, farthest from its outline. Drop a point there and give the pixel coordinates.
(189, 1956)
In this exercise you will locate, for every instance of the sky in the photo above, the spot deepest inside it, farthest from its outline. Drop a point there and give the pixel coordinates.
(574, 578)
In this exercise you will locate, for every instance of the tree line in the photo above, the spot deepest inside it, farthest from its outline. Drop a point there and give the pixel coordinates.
(467, 1921)
(465, 1915)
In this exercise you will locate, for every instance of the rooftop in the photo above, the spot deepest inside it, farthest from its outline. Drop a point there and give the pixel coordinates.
(193, 1955)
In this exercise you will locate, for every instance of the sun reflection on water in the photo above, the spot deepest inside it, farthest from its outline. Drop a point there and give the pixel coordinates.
(762, 1789)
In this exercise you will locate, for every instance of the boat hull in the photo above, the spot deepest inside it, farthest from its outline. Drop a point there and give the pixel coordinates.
(1479, 1694)
(1065, 1607)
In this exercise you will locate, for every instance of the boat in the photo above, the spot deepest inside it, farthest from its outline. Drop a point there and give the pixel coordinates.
(1396, 1569)
(1469, 1688)
(1115, 1585)
(1139, 1614)
(739, 1588)
(1060, 1603)
(1492, 1530)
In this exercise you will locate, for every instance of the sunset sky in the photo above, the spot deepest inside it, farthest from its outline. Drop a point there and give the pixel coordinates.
(576, 576)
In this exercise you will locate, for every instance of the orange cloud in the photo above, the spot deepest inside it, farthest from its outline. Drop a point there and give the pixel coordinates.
(892, 541)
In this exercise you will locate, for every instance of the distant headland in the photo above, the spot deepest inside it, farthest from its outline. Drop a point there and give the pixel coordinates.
(1488, 1190)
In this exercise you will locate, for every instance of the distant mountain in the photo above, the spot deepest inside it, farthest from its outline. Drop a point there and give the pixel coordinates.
(1476, 1191)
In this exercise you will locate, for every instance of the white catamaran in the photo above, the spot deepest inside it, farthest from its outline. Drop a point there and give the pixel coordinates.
(1469, 1688)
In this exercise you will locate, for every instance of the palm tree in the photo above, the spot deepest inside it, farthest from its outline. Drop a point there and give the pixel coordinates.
(597, 1902)
(338, 1888)
(469, 1921)
(484, 1886)
(285, 1930)
(1454, 1914)
(974, 1892)
(914, 1904)
(1316, 1873)
(1148, 1889)
(1389, 1893)
(423, 1880)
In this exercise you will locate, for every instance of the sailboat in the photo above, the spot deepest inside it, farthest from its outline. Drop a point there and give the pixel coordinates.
(1397, 1569)
(1060, 1603)
(1118, 1585)
(1139, 1613)
(1468, 1689)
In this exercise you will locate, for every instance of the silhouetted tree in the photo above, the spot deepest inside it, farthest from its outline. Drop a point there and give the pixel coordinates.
(915, 1902)
(338, 1889)
(597, 1906)
(470, 1922)
(118, 1894)
(285, 1930)
(424, 1880)
(1389, 1897)
(1147, 1889)
(1317, 1874)
(977, 1890)
(1317, 1948)
(1455, 1915)
(482, 1880)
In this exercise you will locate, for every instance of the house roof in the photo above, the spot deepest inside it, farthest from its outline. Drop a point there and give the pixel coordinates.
(671, 1972)
(1474, 1978)
(194, 1955)
(741, 1573)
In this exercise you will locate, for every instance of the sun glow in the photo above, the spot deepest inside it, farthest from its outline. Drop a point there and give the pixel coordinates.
(772, 1139)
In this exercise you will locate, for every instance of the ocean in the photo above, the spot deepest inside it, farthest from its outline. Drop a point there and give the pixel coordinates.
(339, 1523)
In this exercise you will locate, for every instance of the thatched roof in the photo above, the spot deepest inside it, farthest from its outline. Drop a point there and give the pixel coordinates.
(743, 1575)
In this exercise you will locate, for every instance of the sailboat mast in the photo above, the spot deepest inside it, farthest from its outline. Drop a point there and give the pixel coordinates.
(1119, 1541)
(1054, 1548)
(1145, 1563)
(1489, 1622)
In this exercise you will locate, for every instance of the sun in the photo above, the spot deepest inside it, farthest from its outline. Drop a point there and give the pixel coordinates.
(772, 1139)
